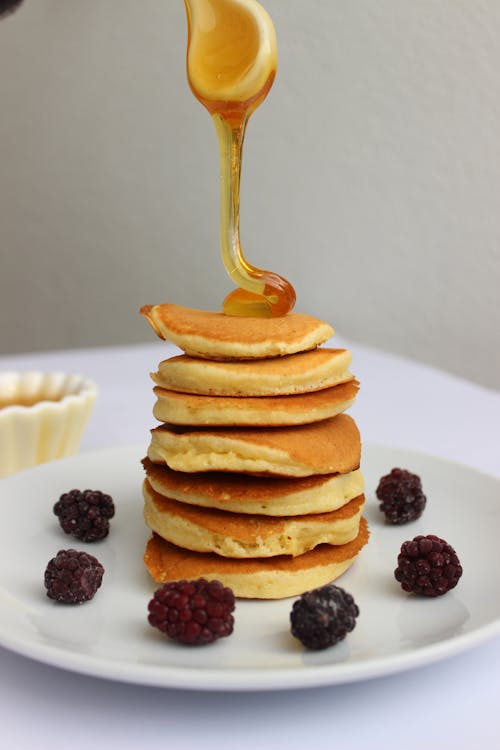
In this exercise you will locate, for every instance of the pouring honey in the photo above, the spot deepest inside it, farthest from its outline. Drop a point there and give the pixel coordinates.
(231, 66)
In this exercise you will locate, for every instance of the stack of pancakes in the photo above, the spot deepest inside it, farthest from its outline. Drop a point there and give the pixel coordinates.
(253, 476)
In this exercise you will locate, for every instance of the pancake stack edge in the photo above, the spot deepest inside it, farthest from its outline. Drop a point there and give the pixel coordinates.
(252, 476)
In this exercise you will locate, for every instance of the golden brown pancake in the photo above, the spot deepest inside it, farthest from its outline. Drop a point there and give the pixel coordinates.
(328, 447)
(241, 536)
(261, 578)
(276, 376)
(264, 411)
(271, 496)
(213, 335)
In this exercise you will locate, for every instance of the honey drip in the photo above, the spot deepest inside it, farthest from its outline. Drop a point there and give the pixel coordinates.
(231, 65)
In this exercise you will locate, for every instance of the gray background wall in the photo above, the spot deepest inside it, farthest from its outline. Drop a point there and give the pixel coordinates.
(371, 176)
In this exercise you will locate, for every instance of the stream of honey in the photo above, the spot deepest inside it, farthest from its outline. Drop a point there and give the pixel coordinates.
(231, 66)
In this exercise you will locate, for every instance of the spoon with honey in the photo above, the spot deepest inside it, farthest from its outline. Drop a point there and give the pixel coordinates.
(231, 66)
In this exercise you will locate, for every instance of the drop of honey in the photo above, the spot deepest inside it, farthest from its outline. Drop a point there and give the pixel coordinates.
(231, 66)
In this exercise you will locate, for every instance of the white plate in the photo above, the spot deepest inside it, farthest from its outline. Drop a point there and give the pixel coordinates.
(110, 637)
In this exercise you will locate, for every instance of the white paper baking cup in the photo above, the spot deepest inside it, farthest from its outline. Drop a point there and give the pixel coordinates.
(42, 417)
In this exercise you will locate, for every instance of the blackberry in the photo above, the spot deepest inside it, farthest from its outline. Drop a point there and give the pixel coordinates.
(401, 496)
(8, 6)
(85, 515)
(323, 616)
(73, 577)
(428, 565)
(193, 612)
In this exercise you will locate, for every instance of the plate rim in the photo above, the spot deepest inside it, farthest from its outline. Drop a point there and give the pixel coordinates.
(213, 680)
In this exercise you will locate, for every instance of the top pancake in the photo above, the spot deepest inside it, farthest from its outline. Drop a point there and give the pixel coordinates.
(214, 335)
(283, 376)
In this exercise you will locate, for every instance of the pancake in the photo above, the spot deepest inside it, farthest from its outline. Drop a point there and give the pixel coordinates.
(265, 411)
(332, 446)
(242, 536)
(213, 335)
(261, 578)
(277, 376)
(271, 496)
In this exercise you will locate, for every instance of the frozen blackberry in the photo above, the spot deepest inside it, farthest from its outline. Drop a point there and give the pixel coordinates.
(85, 515)
(323, 616)
(401, 496)
(427, 565)
(73, 577)
(193, 612)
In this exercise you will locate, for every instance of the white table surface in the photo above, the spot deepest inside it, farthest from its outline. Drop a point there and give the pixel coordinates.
(451, 704)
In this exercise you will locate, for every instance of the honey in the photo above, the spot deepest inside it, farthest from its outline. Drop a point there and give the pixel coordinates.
(231, 66)
(26, 402)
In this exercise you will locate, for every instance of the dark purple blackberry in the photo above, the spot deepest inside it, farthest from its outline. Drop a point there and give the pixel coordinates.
(73, 577)
(323, 616)
(193, 612)
(401, 496)
(427, 565)
(8, 6)
(85, 515)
